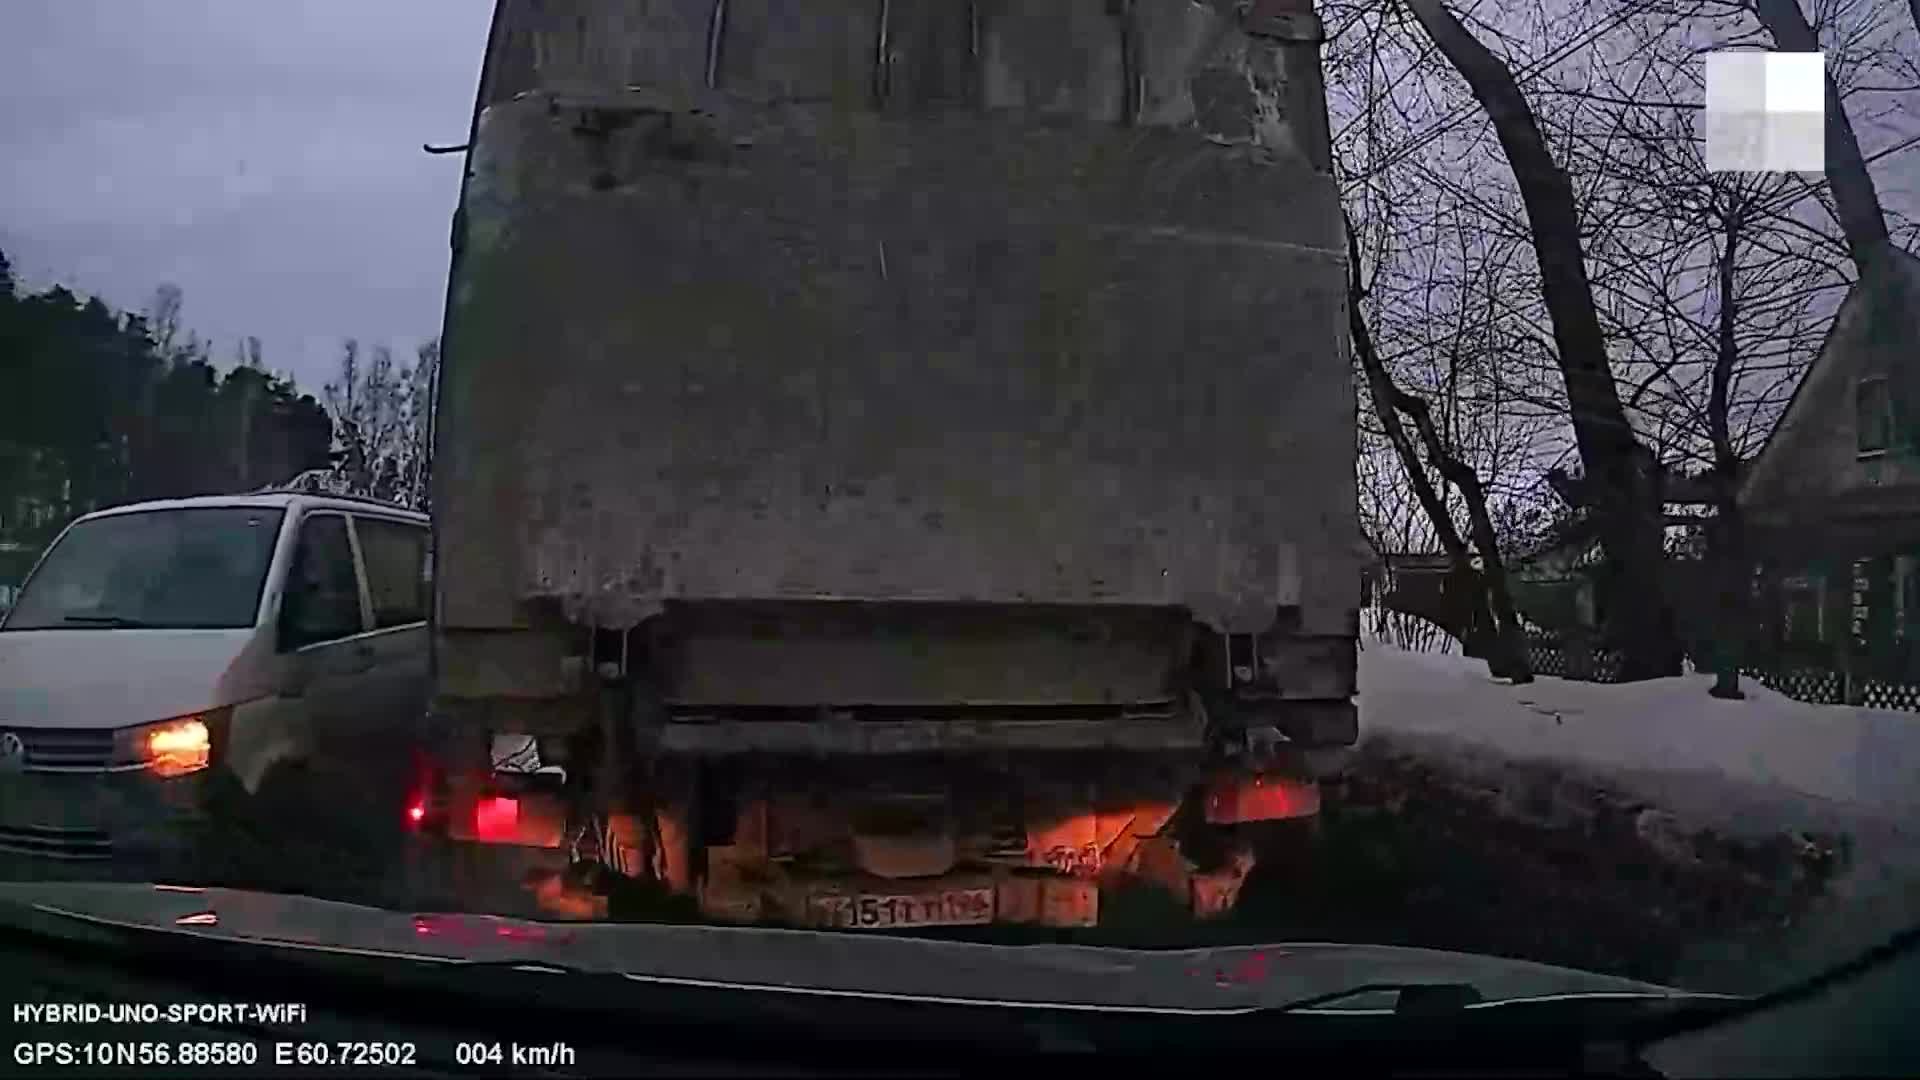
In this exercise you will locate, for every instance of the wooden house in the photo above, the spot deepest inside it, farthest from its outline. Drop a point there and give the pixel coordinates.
(1832, 505)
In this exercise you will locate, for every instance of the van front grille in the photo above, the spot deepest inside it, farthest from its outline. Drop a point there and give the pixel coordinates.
(49, 842)
(65, 749)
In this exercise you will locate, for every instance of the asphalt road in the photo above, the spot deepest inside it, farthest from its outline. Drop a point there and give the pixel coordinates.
(1411, 849)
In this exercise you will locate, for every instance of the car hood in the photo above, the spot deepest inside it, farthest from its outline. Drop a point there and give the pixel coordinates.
(112, 678)
(1197, 981)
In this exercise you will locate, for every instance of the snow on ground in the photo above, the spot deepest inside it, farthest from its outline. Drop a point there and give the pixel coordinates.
(1765, 764)
(1865, 760)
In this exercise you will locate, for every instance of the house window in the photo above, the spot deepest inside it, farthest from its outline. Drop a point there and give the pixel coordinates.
(1872, 417)
(1804, 604)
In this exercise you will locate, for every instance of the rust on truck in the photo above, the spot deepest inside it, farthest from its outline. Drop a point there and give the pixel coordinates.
(894, 379)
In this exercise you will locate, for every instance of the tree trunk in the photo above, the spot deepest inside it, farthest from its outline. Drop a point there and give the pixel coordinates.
(1733, 580)
(1384, 393)
(1728, 549)
(1855, 201)
(1511, 646)
(1627, 512)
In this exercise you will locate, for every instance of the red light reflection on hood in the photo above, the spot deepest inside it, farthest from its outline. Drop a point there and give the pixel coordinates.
(474, 930)
(1251, 968)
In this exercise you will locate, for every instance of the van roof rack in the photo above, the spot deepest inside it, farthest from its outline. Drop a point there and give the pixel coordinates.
(313, 483)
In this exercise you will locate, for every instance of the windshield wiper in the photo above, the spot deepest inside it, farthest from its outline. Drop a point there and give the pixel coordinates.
(119, 622)
(1443, 998)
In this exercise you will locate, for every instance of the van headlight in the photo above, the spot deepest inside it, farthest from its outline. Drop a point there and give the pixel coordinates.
(173, 747)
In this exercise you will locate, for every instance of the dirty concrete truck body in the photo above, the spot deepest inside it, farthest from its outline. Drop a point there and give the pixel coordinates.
(917, 434)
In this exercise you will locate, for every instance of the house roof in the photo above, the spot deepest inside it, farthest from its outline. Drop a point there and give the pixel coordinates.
(1827, 366)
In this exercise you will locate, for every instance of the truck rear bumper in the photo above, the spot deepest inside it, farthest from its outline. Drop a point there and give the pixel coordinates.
(882, 737)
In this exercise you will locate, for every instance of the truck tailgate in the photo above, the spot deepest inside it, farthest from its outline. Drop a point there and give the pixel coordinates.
(806, 352)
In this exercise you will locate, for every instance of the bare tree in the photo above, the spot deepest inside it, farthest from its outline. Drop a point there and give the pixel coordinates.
(1457, 300)
(1856, 203)
(1628, 512)
(1692, 285)
(1718, 288)
(1491, 602)
(382, 413)
(422, 389)
(366, 401)
(163, 318)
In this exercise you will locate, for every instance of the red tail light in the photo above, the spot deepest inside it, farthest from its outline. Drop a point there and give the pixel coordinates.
(1235, 798)
(496, 818)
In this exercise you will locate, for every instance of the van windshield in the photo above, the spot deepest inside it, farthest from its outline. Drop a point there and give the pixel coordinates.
(190, 568)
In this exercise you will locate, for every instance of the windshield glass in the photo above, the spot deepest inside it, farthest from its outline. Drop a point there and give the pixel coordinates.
(1161, 475)
(197, 568)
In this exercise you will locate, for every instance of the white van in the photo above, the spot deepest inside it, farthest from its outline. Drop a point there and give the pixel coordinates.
(164, 651)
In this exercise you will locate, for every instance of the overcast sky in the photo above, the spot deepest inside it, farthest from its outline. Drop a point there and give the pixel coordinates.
(264, 155)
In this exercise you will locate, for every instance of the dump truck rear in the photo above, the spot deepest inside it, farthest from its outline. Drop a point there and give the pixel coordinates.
(893, 461)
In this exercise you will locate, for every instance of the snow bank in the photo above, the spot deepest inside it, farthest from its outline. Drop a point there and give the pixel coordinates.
(1866, 759)
(1767, 764)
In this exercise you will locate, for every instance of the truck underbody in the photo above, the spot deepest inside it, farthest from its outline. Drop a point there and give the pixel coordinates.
(918, 840)
(892, 464)
(762, 804)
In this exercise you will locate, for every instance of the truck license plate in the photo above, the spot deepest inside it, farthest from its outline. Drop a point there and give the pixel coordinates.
(867, 911)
